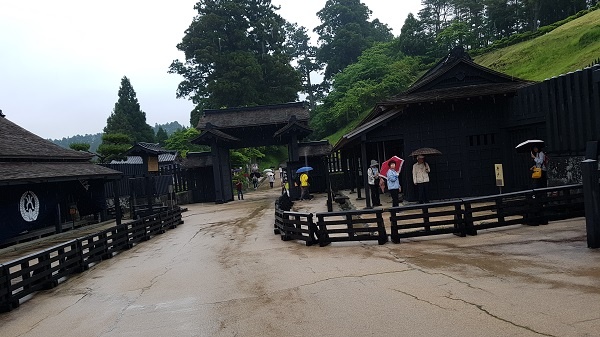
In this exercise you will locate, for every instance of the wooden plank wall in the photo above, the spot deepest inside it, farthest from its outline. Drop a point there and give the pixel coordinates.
(569, 105)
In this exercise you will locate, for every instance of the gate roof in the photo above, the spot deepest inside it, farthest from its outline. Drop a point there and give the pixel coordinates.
(254, 126)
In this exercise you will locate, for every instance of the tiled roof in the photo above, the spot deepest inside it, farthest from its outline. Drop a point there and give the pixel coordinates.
(253, 116)
(162, 158)
(457, 93)
(18, 143)
(35, 172)
(147, 148)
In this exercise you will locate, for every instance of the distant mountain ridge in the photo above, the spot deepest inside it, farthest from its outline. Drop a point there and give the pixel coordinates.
(96, 139)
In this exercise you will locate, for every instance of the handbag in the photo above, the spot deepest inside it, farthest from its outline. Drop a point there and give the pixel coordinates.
(537, 173)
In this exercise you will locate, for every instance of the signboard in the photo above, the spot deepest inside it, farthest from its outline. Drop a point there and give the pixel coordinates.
(499, 175)
(152, 163)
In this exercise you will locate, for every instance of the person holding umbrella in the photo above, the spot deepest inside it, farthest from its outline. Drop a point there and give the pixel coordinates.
(304, 184)
(393, 183)
(393, 164)
(421, 178)
(539, 161)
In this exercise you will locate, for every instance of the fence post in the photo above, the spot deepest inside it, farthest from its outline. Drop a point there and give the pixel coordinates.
(459, 221)
(323, 236)
(394, 225)
(426, 218)
(313, 231)
(349, 224)
(468, 219)
(591, 192)
(500, 209)
(285, 223)
(5, 292)
(383, 238)
(276, 223)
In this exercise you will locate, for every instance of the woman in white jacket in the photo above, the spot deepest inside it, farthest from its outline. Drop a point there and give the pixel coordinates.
(421, 178)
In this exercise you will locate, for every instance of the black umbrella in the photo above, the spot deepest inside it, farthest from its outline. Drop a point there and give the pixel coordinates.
(425, 151)
(527, 145)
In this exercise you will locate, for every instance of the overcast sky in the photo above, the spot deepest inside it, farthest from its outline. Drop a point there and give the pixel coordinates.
(61, 61)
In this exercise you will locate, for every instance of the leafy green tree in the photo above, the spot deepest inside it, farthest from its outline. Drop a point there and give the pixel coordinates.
(241, 157)
(127, 117)
(181, 140)
(346, 31)
(80, 147)
(161, 136)
(235, 56)
(113, 147)
(381, 71)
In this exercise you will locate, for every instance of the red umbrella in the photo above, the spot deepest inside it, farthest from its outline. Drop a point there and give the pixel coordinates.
(385, 166)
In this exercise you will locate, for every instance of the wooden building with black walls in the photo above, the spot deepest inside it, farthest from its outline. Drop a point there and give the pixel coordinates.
(42, 185)
(457, 107)
(476, 117)
(246, 127)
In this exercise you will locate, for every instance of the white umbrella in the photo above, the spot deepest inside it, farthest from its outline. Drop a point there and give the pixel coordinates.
(528, 144)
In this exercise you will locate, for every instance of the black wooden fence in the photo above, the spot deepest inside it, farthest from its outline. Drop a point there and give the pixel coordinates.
(426, 219)
(133, 180)
(47, 268)
(364, 225)
(295, 226)
(460, 217)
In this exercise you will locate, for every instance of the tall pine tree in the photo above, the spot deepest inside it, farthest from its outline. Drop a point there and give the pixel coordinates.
(127, 118)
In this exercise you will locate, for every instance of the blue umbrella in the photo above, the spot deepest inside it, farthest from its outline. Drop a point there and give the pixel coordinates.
(304, 169)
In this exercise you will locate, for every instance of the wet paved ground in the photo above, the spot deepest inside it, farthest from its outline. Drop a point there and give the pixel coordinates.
(224, 273)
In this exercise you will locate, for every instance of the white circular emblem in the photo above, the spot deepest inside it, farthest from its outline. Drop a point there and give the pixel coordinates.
(29, 206)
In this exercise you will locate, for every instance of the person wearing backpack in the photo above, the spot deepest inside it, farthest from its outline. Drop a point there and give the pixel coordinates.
(540, 161)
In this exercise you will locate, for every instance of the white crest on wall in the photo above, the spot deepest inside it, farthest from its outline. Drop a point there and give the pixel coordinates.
(29, 206)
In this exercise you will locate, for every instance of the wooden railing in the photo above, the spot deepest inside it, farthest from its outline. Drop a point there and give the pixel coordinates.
(45, 269)
(362, 225)
(426, 219)
(460, 217)
(532, 207)
(295, 226)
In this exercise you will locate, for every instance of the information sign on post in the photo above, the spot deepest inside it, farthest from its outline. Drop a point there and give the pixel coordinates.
(499, 176)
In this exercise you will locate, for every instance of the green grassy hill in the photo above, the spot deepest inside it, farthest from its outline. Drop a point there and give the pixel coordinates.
(569, 47)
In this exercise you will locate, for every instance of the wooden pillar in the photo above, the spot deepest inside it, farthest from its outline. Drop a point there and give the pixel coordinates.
(328, 185)
(351, 169)
(591, 192)
(216, 158)
(149, 191)
(363, 156)
(293, 152)
(117, 201)
(357, 176)
(58, 224)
